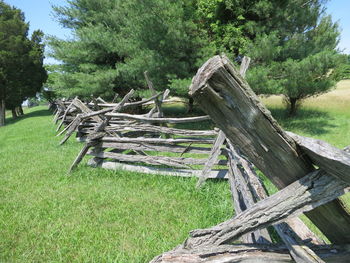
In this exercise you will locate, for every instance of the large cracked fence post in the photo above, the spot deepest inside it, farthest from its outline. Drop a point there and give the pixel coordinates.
(224, 95)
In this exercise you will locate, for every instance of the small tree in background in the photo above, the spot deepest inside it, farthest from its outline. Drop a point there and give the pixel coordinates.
(298, 62)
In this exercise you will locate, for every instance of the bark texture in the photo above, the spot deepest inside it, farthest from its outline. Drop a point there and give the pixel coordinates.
(221, 91)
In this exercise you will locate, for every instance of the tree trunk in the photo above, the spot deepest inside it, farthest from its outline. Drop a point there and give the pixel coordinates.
(2, 112)
(20, 110)
(190, 105)
(14, 113)
(292, 106)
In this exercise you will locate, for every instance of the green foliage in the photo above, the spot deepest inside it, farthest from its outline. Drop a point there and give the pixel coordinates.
(297, 61)
(343, 71)
(180, 86)
(291, 44)
(116, 41)
(21, 59)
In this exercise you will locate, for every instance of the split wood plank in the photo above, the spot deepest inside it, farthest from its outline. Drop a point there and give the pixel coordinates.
(251, 184)
(159, 129)
(221, 137)
(157, 148)
(213, 157)
(158, 120)
(221, 91)
(158, 140)
(65, 115)
(243, 198)
(256, 187)
(179, 162)
(158, 103)
(112, 165)
(100, 127)
(244, 66)
(247, 253)
(334, 161)
(85, 109)
(307, 193)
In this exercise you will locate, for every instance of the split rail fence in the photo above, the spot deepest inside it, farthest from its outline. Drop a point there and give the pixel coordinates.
(248, 138)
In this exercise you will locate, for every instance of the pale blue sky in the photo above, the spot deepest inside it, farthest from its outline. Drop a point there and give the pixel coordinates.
(39, 14)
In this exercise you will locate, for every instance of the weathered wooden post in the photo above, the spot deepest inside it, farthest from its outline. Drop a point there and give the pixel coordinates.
(238, 112)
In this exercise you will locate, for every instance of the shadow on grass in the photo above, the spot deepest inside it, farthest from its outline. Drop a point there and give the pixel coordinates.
(33, 113)
(310, 121)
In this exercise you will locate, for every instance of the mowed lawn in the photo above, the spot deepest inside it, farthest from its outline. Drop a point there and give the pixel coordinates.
(92, 215)
(95, 215)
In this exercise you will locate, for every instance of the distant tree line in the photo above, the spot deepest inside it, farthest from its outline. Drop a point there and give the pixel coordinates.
(292, 44)
(21, 61)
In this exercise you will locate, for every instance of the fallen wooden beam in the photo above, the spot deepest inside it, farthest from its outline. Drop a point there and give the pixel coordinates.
(180, 162)
(158, 140)
(159, 129)
(158, 120)
(214, 174)
(157, 147)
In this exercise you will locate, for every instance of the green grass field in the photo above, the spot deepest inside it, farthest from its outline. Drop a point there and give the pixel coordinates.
(95, 215)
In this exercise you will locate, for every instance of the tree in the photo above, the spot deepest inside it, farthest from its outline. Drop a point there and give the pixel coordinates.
(114, 42)
(292, 43)
(21, 61)
(299, 62)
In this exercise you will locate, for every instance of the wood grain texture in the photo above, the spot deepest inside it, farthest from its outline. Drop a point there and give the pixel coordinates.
(334, 161)
(158, 120)
(214, 174)
(243, 197)
(248, 254)
(223, 94)
(213, 157)
(309, 192)
(179, 162)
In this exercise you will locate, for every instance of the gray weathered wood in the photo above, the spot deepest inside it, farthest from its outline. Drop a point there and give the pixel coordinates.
(157, 147)
(112, 165)
(331, 159)
(347, 149)
(221, 91)
(65, 114)
(243, 198)
(179, 162)
(158, 103)
(116, 109)
(158, 140)
(244, 183)
(307, 193)
(71, 129)
(85, 109)
(80, 156)
(299, 252)
(158, 120)
(244, 66)
(100, 127)
(259, 193)
(158, 129)
(247, 253)
(214, 154)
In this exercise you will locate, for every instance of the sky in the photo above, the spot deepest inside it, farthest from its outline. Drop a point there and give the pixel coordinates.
(39, 14)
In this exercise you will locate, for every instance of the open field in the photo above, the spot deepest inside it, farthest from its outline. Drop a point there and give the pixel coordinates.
(104, 216)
